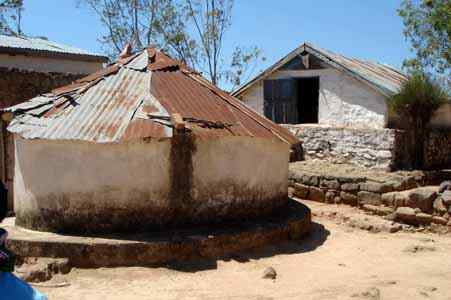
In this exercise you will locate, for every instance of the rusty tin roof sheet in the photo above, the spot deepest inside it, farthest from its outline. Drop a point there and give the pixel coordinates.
(133, 99)
(43, 47)
(381, 77)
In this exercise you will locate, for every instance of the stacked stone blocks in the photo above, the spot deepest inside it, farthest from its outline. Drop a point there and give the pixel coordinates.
(409, 201)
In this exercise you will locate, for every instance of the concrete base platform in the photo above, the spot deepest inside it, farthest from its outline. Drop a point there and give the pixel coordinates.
(156, 248)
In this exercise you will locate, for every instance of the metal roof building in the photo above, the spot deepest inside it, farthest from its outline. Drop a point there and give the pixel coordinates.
(142, 144)
(35, 46)
(133, 99)
(382, 77)
(315, 85)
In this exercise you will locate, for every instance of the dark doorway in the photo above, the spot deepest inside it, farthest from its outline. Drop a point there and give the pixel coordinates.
(281, 100)
(292, 100)
(308, 96)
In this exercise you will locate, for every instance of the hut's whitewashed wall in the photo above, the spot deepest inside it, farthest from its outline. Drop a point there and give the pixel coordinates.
(343, 100)
(65, 184)
(75, 178)
(234, 170)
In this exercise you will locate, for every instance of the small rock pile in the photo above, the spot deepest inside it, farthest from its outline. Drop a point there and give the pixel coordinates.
(40, 269)
(424, 206)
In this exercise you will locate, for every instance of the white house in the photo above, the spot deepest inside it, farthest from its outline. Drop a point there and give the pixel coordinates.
(314, 85)
(42, 55)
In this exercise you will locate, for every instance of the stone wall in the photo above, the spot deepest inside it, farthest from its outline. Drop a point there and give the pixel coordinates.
(437, 150)
(374, 148)
(407, 198)
(17, 86)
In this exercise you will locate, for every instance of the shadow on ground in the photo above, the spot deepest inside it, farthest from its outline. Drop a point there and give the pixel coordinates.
(316, 238)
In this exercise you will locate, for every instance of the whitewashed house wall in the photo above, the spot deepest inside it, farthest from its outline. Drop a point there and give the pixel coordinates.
(343, 101)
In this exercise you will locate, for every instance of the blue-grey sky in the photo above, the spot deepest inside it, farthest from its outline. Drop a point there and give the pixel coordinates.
(367, 29)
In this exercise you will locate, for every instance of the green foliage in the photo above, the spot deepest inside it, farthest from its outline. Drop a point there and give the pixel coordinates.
(414, 106)
(190, 30)
(428, 28)
(418, 98)
(244, 62)
(10, 17)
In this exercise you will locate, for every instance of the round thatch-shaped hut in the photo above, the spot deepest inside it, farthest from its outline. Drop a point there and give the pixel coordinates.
(144, 143)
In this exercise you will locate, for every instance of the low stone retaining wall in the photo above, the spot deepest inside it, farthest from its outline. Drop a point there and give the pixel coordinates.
(372, 148)
(162, 247)
(410, 200)
(375, 148)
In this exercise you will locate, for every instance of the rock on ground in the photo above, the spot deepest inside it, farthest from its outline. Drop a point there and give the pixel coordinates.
(444, 186)
(269, 273)
(446, 198)
(439, 206)
(369, 198)
(419, 248)
(300, 191)
(372, 293)
(316, 194)
(406, 215)
(39, 269)
(422, 198)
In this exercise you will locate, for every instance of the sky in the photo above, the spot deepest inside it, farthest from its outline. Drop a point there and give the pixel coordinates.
(365, 29)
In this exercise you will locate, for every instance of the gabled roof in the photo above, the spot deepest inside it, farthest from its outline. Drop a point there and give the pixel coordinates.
(133, 99)
(381, 77)
(42, 47)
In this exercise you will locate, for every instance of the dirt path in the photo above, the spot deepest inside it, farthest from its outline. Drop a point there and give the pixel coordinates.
(335, 262)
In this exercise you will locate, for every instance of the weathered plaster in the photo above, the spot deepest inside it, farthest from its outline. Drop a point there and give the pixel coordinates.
(343, 101)
(45, 64)
(71, 186)
(240, 177)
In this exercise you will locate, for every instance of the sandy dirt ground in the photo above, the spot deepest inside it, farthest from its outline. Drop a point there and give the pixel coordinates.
(336, 261)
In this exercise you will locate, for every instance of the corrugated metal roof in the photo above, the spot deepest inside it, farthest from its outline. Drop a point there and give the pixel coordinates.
(381, 77)
(43, 46)
(133, 99)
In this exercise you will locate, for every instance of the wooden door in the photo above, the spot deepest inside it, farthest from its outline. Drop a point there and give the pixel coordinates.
(281, 100)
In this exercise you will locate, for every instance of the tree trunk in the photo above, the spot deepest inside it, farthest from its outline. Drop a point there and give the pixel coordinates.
(418, 143)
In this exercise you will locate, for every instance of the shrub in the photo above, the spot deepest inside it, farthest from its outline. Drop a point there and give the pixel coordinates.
(414, 105)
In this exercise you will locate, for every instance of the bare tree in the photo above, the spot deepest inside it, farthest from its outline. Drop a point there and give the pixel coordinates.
(171, 29)
(211, 19)
(142, 23)
(190, 30)
(123, 21)
(11, 17)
